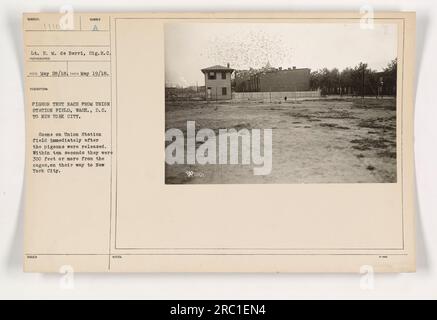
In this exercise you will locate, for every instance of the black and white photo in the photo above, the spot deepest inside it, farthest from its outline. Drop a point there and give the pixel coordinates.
(280, 103)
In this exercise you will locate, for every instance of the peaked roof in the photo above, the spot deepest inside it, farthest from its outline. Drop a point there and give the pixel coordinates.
(217, 68)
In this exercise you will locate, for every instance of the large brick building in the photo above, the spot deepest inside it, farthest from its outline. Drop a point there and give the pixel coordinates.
(273, 80)
(218, 82)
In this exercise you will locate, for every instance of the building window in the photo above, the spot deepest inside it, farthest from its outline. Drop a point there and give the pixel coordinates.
(223, 75)
(224, 91)
(211, 75)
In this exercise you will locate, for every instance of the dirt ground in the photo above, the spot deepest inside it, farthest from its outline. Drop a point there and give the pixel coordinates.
(314, 141)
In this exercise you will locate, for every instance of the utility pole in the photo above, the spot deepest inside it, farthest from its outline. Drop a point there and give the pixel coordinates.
(382, 87)
(362, 100)
(364, 69)
(295, 93)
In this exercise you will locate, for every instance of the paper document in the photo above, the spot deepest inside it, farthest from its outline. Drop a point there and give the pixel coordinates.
(219, 142)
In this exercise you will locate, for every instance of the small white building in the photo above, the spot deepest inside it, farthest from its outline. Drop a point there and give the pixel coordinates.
(218, 82)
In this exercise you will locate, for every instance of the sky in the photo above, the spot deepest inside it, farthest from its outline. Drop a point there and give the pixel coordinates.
(190, 47)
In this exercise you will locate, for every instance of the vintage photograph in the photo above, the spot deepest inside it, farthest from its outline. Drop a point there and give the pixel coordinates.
(280, 103)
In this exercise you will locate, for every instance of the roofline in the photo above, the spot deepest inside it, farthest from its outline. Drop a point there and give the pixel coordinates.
(218, 69)
(257, 72)
(291, 69)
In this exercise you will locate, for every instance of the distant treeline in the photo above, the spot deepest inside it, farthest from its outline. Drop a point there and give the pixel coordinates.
(358, 81)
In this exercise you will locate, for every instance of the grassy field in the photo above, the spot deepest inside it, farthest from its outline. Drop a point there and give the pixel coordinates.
(314, 141)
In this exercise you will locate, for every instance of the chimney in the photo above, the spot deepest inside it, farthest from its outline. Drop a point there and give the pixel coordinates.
(227, 64)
